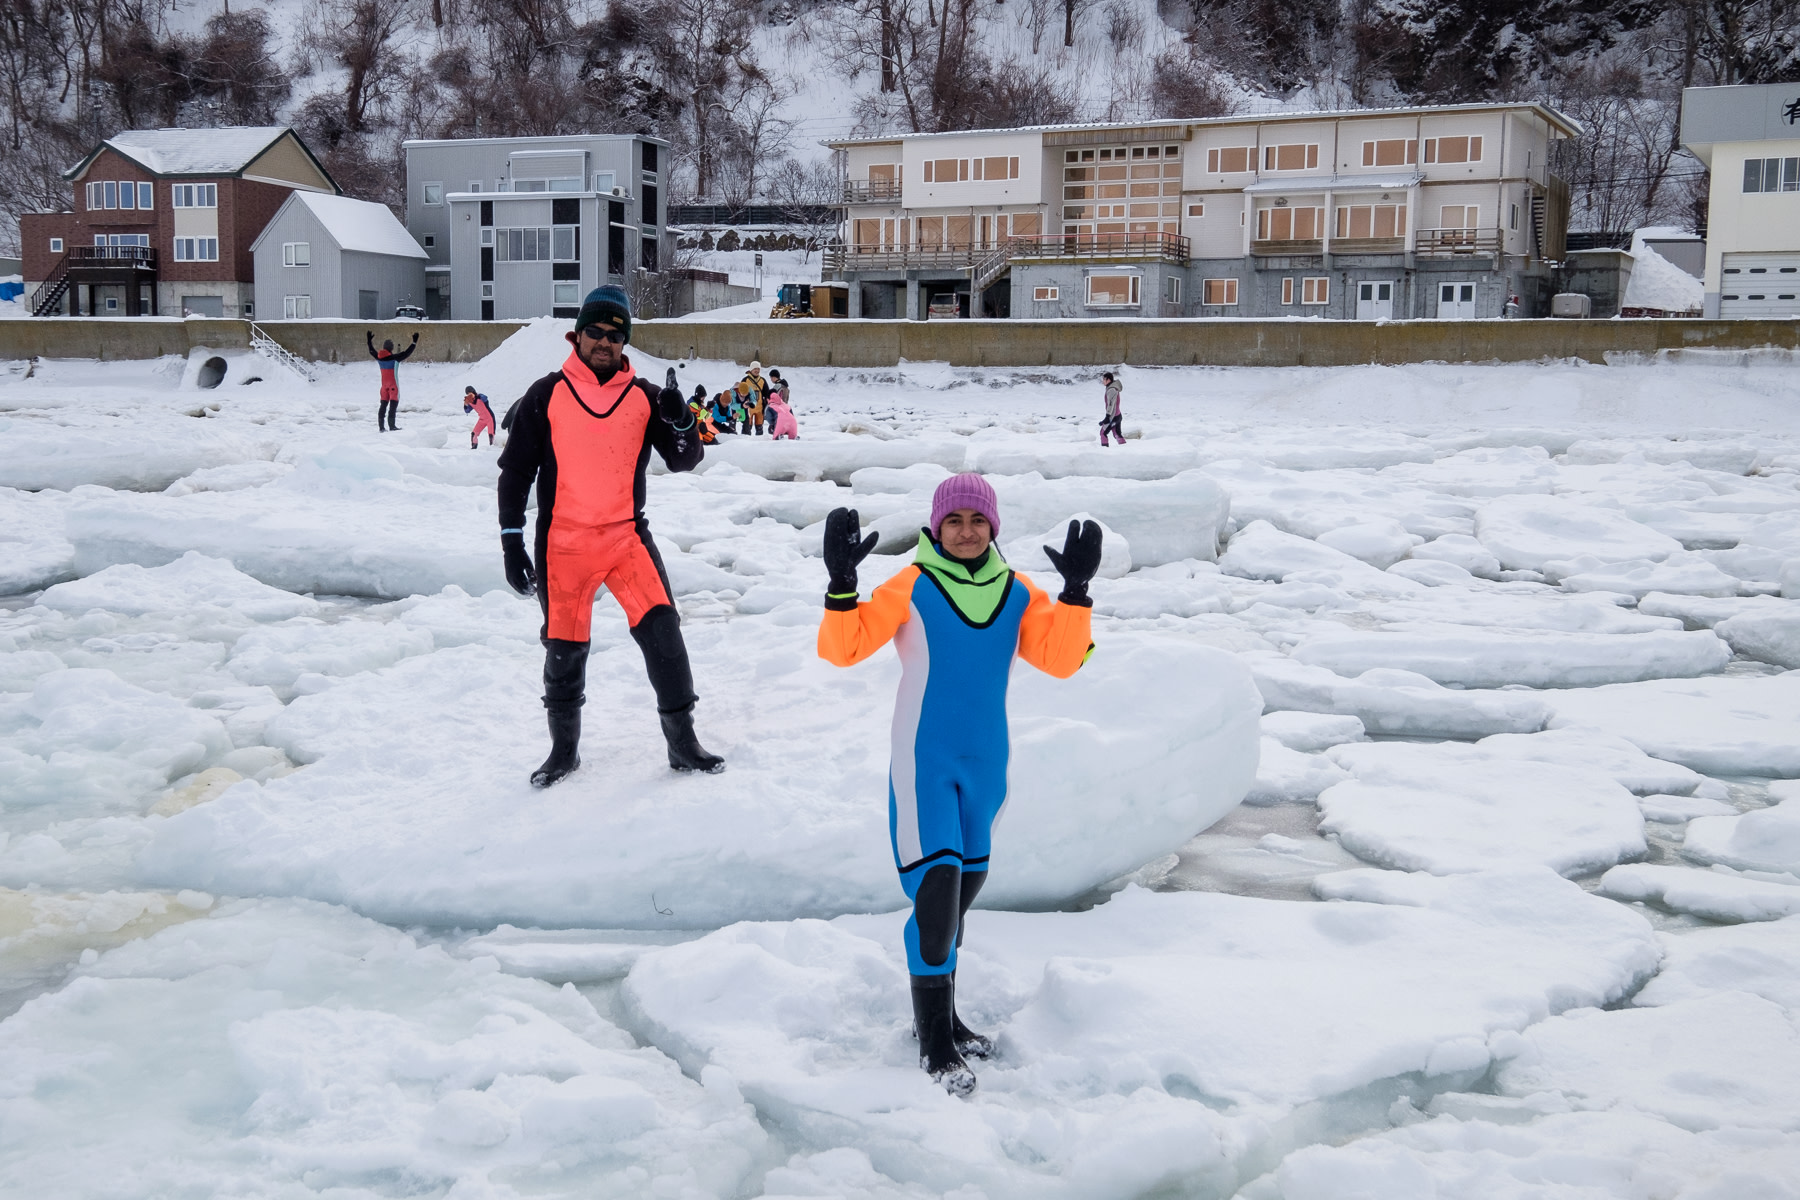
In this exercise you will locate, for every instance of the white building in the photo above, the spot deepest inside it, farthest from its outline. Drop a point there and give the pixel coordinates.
(1423, 212)
(331, 256)
(1749, 136)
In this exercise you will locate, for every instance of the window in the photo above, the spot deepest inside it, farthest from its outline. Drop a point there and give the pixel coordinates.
(1295, 156)
(475, 185)
(1287, 290)
(196, 249)
(111, 192)
(565, 243)
(487, 236)
(1315, 289)
(429, 240)
(1046, 293)
(996, 168)
(1459, 216)
(1218, 291)
(434, 193)
(1196, 210)
(56, 245)
(649, 156)
(487, 291)
(1113, 291)
(1302, 224)
(522, 245)
(195, 195)
(1772, 175)
(1172, 289)
(296, 308)
(1512, 216)
(122, 239)
(146, 195)
(127, 194)
(296, 254)
(1230, 160)
(1371, 220)
(565, 293)
(603, 181)
(1452, 149)
(946, 170)
(1392, 152)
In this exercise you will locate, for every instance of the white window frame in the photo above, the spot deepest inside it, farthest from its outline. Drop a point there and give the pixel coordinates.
(56, 245)
(1468, 221)
(296, 254)
(475, 185)
(573, 293)
(1134, 290)
(1227, 286)
(127, 191)
(196, 249)
(292, 308)
(1044, 295)
(538, 235)
(428, 190)
(1315, 290)
(1287, 289)
(487, 235)
(487, 290)
(1215, 160)
(1371, 152)
(1473, 149)
(1172, 289)
(146, 197)
(194, 195)
(574, 235)
(1272, 155)
(606, 181)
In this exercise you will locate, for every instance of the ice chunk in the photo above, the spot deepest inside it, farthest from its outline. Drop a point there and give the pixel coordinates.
(188, 582)
(1285, 776)
(1431, 573)
(1727, 1059)
(1381, 544)
(1311, 732)
(1705, 612)
(1527, 532)
(811, 1019)
(1471, 657)
(407, 813)
(148, 455)
(1762, 959)
(1678, 574)
(277, 657)
(1261, 551)
(920, 477)
(1459, 549)
(1770, 635)
(33, 551)
(1397, 702)
(1448, 808)
(1731, 725)
(300, 1048)
(1715, 895)
(1163, 521)
(1764, 839)
(1677, 810)
(1027, 553)
(1149, 458)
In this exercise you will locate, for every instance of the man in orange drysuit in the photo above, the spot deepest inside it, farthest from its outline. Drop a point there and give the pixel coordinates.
(585, 433)
(388, 412)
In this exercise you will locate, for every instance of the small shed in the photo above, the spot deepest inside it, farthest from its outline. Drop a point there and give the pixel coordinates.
(331, 256)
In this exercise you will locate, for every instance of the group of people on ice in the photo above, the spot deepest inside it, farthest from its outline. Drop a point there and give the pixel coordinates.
(743, 407)
(958, 615)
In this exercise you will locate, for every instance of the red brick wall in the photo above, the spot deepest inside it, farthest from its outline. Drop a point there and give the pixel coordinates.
(252, 207)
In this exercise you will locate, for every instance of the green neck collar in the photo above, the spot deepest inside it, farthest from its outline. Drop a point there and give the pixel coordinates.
(976, 594)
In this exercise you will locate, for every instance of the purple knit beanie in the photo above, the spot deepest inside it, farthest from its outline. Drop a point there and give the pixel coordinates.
(964, 491)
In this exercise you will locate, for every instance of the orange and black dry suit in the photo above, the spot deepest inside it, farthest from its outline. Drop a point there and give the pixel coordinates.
(587, 442)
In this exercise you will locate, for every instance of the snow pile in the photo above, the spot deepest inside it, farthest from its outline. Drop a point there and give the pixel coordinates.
(1528, 532)
(300, 1048)
(1392, 701)
(394, 818)
(1655, 282)
(148, 457)
(1766, 839)
(191, 580)
(1723, 725)
(1715, 895)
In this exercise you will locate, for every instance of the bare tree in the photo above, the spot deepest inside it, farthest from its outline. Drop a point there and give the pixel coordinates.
(808, 195)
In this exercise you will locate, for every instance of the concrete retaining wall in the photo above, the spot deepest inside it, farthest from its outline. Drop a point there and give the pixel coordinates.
(317, 341)
(1023, 343)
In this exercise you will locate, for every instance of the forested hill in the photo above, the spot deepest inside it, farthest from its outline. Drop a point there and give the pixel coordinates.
(745, 90)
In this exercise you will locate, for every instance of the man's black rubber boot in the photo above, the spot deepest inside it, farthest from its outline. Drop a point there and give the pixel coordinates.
(685, 751)
(934, 1008)
(969, 1044)
(565, 690)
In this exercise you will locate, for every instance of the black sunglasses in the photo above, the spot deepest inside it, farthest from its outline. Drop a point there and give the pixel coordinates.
(603, 335)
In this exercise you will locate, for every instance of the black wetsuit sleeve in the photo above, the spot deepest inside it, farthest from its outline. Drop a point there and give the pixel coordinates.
(680, 448)
(527, 448)
(403, 355)
(373, 353)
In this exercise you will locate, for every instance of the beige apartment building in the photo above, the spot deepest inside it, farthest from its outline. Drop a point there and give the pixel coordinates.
(1443, 212)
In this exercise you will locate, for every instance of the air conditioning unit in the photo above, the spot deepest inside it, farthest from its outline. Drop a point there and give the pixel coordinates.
(618, 191)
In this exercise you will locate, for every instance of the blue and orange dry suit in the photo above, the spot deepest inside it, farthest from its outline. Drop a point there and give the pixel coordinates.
(957, 627)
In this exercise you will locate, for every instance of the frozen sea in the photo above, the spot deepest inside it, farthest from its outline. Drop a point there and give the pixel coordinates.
(1425, 825)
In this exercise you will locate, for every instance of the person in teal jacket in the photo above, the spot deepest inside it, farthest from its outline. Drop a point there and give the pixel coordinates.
(958, 615)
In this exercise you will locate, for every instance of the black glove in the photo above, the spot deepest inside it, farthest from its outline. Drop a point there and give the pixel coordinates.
(520, 574)
(415, 339)
(845, 546)
(672, 406)
(1077, 562)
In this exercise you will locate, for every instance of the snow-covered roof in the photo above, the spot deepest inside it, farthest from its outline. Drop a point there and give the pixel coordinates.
(1397, 181)
(1554, 118)
(358, 225)
(224, 151)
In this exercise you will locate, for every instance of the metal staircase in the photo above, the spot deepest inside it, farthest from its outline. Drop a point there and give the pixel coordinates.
(275, 352)
(987, 271)
(51, 292)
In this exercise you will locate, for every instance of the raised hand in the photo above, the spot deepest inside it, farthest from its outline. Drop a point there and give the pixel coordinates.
(670, 404)
(845, 547)
(1077, 562)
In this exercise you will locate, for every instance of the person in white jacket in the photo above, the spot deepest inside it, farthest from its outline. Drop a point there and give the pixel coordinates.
(1111, 421)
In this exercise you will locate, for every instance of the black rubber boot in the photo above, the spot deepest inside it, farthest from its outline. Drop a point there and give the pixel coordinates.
(685, 751)
(934, 1016)
(565, 691)
(968, 1043)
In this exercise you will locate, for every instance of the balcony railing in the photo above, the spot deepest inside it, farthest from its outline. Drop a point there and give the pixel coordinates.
(900, 258)
(1171, 247)
(1446, 243)
(127, 257)
(871, 191)
(1112, 247)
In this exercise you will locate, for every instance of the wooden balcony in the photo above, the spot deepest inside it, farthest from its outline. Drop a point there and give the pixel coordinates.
(1451, 243)
(1369, 245)
(953, 256)
(1288, 247)
(1112, 247)
(871, 191)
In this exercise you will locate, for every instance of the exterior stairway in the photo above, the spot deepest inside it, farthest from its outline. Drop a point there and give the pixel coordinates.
(275, 352)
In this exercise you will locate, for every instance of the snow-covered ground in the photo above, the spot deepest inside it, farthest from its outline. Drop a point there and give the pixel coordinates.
(1511, 907)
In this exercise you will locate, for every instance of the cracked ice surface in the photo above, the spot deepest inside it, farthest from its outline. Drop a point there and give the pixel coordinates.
(261, 690)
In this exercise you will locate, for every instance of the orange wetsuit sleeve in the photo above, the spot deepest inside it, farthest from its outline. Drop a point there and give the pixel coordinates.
(849, 635)
(1054, 638)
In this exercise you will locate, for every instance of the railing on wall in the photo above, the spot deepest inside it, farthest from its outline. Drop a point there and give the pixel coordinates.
(269, 348)
(870, 191)
(1447, 243)
(983, 257)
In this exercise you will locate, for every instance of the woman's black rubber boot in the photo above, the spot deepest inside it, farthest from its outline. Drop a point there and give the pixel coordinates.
(934, 1020)
(685, 751)
(969, 1044)
(565, 690)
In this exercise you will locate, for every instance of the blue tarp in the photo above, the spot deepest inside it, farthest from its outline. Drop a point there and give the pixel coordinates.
(11, 290)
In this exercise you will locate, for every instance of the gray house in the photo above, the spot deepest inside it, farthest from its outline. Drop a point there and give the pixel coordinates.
(331, 256)
(525, 227)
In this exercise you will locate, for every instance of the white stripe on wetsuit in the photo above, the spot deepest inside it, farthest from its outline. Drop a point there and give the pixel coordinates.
(915, 669)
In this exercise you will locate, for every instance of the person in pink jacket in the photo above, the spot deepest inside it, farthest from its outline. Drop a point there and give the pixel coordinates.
(785, 425)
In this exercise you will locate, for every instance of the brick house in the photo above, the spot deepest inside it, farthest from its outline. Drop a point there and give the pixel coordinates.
(163, 222)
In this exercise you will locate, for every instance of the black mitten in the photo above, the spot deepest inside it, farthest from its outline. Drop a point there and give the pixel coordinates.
(670, 404)
(520, 574)
(845, 547)
(1077, 562)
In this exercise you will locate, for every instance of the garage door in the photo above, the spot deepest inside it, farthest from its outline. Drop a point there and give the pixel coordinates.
(1760, 285)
